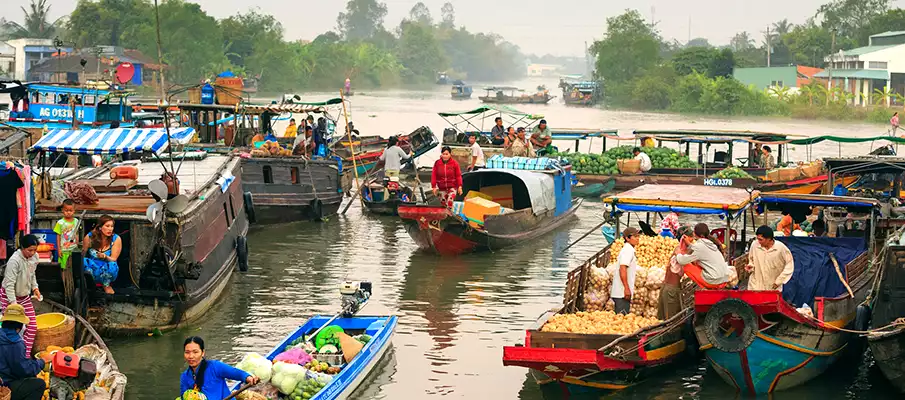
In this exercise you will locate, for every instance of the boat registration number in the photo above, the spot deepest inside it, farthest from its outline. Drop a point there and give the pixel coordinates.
(717, 182)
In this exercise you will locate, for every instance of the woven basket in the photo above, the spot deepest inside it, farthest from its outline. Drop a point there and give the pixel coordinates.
(5, 393)
(629, 166)
(62, 335)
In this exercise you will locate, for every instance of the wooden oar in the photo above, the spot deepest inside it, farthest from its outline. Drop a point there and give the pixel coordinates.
(586, 234)
(358, 194)
(241, 389)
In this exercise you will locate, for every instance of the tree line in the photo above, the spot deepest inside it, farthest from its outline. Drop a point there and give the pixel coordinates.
(197, 46)
(642, 70)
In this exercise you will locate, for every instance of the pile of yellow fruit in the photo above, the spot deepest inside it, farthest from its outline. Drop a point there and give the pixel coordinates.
(651, 251)
(597, 322)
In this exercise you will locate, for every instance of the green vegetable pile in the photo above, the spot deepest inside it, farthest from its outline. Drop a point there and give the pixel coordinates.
(605, 164)
(732, 173)
(307, 389)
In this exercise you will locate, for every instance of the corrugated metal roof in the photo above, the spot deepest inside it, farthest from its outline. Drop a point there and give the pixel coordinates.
(866, 49)
(881, 74)
(889, 33)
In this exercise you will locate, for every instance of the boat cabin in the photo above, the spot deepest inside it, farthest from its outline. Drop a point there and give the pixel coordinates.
(460, 90)
(722, 145)
(54, 105)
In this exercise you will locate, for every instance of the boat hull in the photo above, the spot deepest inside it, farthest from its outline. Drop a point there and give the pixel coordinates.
(354, 373)
(435, 229)
(284, 189)
(516, 99)
(888, 349)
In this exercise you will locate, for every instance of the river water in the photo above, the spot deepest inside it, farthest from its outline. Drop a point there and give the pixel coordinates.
(455, 314)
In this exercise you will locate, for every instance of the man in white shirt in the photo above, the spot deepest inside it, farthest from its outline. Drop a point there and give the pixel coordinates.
(645, 159)
(624, 283)
(394, 158)
(477, 153)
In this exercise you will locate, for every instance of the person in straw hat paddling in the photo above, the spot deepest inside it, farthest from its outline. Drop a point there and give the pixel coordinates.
(18, 372)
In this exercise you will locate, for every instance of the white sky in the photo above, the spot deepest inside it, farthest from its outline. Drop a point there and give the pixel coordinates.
(537, 26)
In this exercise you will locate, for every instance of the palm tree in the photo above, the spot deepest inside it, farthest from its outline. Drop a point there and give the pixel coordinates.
(781, 93)
(882, 96)
(36, 24)
(782, 27)
(741, 41)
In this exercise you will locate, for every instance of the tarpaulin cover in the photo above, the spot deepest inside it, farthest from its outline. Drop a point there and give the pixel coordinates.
(680, 210)
(815, 275)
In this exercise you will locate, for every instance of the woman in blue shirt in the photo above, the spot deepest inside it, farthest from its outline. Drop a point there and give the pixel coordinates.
(208, 376)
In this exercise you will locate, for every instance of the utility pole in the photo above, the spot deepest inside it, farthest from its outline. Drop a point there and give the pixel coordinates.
(829, 83)
(689, 29)
(769, 44)
(159, 54)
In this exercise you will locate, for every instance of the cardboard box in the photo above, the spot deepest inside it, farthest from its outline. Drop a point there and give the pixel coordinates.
(476, 209)
(501, 194)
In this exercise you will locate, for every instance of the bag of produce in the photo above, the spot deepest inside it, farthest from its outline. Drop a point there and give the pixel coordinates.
(287, 376)
(293, 356)
(257, 365)
(597, 291)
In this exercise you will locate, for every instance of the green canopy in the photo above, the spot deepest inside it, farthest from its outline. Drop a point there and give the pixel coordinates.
(840, 139)
(493, 108)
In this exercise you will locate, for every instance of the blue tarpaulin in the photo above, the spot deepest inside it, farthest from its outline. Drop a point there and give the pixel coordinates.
(815, 275)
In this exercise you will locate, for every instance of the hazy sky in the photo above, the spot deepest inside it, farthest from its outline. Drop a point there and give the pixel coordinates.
(538, 26)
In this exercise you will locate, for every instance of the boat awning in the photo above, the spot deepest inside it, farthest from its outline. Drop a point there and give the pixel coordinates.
(843, 139)
(111, 141)
(284, 108)
(818, 200)
(494, 108)
(684, 199)
(74, 90)
(865, 165)
(538, 186)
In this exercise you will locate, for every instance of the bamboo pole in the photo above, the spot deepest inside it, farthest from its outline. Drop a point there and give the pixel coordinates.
(342, 96)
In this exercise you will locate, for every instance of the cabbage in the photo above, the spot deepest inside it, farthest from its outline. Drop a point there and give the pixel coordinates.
(287, 376)
(257, 365)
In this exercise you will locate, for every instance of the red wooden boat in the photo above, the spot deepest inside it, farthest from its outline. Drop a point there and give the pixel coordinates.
(541, 202)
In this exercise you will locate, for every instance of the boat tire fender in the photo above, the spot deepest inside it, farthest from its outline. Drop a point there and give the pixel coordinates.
(249, 207)
(242, 253)
(715, 333)
(317, 209)
(862, 318)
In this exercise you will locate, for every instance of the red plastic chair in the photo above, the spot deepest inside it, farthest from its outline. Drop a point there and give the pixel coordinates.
(720, 234)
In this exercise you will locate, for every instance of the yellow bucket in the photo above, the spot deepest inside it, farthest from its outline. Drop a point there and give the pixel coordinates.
(50, 320)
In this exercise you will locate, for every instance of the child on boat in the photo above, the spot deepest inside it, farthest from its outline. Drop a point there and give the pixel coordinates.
(65, 229)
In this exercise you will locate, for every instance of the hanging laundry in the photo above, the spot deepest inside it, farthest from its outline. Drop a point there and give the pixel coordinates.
(10, 183)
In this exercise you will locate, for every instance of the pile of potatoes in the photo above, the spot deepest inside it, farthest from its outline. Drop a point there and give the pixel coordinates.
(597, 322)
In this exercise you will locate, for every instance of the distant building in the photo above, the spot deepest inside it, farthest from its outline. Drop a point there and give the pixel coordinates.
(100, 63)
(544, 70)
(877, 66)
(793, 76)
(29, 52)
(7, 60)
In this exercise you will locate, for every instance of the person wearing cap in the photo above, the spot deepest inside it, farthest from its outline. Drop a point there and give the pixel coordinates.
(624, 283)
(394, 158)
(18, 372)
(542, 138)
(670, 302)
(477, 153)
(20, 284)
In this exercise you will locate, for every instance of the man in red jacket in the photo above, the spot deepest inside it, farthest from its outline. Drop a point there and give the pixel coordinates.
(446, 178)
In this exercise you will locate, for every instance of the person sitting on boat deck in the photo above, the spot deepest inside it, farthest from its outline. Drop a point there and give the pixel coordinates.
(624, 283)
(446, 177)
(208, 377)
(291, 130)
(542, 138)
(351, 129)
(520, 146)
(20, 284)
(18, 372)
(498, 133)
(705, 264)
(786, 224)
(818, 228)
(770, 262)
(304, 145)
(766, 160)
(477, 153)
(670, 302)
(645, 159)
(102, 247)
(670, 225)
(394, 158)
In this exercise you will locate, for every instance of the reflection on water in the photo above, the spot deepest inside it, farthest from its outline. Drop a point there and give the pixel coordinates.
(455, 314)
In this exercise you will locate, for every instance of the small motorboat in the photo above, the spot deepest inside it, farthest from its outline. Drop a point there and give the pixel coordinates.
(385, 197)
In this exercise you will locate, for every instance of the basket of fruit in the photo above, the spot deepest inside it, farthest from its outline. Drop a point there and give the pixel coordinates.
(630, 166)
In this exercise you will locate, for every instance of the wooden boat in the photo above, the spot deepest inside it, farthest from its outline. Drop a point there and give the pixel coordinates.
(418, 142)
(460, 91)
(576, 91)
(538, 202)
(84, 334)
(510, 95)
(887, 343)
(382, 200)
(165, 279)
(95, 108)
(593, 190)
(757, 341)
(354, 373)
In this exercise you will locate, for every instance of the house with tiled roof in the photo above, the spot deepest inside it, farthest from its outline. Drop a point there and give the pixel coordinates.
(100, 63)
(862, 70)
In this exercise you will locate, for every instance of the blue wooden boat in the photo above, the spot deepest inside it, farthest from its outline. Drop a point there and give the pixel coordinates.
(49, 106)
(380, 328)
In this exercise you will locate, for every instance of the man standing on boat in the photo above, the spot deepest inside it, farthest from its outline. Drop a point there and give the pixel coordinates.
(542, 139)
(769, 262)
(477, 153)
(498, 133)
(624, 283)
(645, 159)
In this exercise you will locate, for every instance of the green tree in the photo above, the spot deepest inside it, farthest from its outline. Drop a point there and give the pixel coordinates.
(421, 14)
(419, 51)
(698, 42)
(892, 20)
(809, 43)
(782, 27)
(108, 22)
(244, 33)
(692, 59)
(849, 17)
(629, 47)
(362, 19)
(741, 42)
(35, 24)
(448, 16)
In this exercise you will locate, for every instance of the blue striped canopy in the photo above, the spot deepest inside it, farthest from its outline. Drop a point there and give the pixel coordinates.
(111, 141)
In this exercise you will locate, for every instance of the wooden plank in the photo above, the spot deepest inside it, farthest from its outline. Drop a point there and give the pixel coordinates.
(570, 340)
(109, 185)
